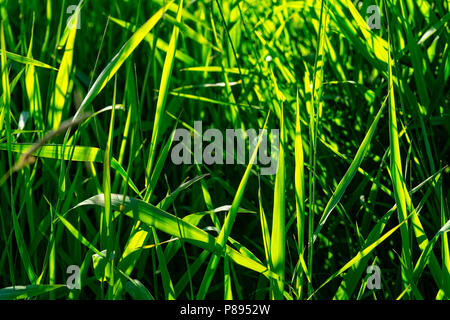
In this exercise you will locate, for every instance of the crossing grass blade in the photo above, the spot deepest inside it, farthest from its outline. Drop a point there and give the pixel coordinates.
(77, 234)
(138, 291)
(228, 224)
(113, 66)
(352, 277)
(425, 256)
(21, 244)
(160, 44)
(360, 256)
(27, 60)
(169, 292)
(347, 178)
(138, 236)
(169, 224)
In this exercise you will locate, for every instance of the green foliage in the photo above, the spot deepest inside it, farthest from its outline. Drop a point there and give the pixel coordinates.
(87, 124)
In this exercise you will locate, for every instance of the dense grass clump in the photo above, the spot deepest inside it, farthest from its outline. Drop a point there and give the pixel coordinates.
(92, 205)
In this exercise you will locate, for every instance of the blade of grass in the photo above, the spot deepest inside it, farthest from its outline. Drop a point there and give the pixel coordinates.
(396, 173)
(169, 224)
(114, 65)
(23, 292)
(348, 176)
(107, 233)
(163, 93)
(28, 61)
(74, 153)
(228, 225)
(278, 237)
(61, 94)
(299, 181)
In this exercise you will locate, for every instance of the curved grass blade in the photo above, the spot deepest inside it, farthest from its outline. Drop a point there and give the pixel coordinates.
(228, 224)
(114, 65)
(139, 235)
(138, 291)
(74, 153)
(352, 277)
(22, 292)
(27, 60)
(170, 224)
(360, 255)
(426, 253)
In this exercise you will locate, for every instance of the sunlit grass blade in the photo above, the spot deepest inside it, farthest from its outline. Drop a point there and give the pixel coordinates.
(163, 92)
(34, 91)
(77, 234)
(73, 153)
(398, 183)
(352, 277)
(348, 176)
(425, 256)
(107, 227)
(228, 224)
(278, 237)
(4, 112)
(27, 60)
(62, 83)
(299, 181)
(169, 224)
(160, 44)
(114, 65)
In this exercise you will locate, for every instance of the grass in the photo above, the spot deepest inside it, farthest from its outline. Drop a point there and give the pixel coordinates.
(87, 125)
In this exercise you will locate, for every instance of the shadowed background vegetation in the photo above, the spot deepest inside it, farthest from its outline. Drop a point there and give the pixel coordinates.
(87, 119)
